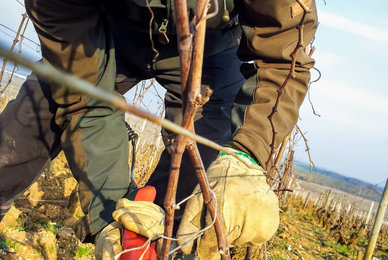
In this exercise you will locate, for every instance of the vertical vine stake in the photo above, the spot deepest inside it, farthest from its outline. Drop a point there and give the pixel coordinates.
(24, 17)
(191, 101)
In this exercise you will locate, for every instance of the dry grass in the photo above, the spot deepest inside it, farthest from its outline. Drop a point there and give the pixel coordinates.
(37, 226)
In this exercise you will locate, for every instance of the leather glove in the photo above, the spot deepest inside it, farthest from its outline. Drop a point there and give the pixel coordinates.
(249, 209)
(142, 217)
(108, 242)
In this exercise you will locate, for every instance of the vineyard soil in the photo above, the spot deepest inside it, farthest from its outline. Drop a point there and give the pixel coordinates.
(37, 227)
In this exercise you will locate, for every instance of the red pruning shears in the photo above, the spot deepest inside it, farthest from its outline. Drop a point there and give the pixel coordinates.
(148, 193)
(133, 240)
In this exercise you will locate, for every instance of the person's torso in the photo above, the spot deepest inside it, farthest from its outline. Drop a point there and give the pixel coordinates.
(131, 23)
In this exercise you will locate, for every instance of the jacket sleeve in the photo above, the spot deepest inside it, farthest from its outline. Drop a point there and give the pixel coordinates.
(270, 34)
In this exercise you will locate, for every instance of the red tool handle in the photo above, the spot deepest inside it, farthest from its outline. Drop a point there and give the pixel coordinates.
(132, 240)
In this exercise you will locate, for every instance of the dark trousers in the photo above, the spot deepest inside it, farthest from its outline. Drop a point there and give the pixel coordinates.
(29, 119)
(76, 36)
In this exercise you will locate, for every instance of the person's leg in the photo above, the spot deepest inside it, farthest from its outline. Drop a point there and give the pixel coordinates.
(270, 44)
(28, 138)
(30, 119)
(220, 73)
(94, 136)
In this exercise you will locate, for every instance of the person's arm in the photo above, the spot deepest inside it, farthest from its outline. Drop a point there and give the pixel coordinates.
(74, 37)
(248, 207)
(270, 35)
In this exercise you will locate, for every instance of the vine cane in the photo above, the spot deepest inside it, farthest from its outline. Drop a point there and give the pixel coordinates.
(191, 101)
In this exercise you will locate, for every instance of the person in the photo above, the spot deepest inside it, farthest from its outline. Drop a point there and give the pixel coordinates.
(109, 45)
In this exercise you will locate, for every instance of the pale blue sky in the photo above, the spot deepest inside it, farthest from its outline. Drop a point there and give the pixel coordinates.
(351, 136)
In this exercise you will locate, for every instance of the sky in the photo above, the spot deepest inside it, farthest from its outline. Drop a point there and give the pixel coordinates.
(351, 134)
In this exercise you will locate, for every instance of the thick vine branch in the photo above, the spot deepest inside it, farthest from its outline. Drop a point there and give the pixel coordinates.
(307, 147)
(284, 178)
(278, 158)
(63, 78)
(191, 101)
(291, 75)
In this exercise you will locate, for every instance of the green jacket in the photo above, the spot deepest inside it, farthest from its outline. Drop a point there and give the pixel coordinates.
(131, 21)
(139, 15)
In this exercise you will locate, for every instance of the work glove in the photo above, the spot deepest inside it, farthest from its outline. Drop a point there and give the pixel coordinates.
(248, 208)
(142, 217)
(108, 242)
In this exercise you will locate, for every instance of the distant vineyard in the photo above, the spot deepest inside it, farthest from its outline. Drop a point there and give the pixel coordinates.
(347, 217)
(340, 182)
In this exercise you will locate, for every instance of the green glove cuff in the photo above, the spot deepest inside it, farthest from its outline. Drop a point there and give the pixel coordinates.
(239, 153)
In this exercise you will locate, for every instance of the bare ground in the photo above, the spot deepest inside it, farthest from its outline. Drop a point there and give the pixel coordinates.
(37, 227)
